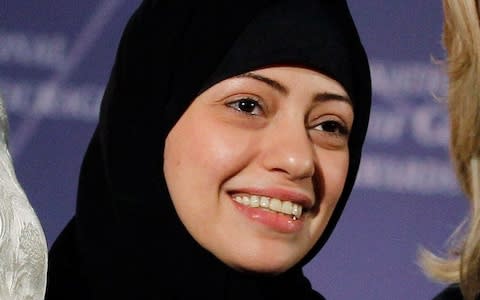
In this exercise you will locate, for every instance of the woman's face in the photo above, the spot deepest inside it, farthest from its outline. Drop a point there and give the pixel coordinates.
(256, 165)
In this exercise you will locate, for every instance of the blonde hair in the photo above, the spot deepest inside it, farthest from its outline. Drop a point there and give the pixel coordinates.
(461, 39)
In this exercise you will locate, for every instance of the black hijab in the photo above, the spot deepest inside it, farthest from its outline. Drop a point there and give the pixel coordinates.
(126, 240)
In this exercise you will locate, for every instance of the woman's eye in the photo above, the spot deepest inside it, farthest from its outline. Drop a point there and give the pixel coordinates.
(246, 105)
(333, 127)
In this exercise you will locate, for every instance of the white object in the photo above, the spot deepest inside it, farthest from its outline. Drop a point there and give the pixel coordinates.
(23, 247)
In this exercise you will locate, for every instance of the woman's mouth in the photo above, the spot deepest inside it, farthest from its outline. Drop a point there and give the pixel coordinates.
(285, 207)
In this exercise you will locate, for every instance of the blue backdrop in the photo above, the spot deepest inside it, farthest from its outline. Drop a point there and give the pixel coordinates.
(55, 58)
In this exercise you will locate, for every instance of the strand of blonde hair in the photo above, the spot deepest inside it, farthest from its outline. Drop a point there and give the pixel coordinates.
(470, 259)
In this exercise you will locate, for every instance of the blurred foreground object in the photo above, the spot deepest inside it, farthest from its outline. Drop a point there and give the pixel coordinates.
(23, 247)
(461, 38)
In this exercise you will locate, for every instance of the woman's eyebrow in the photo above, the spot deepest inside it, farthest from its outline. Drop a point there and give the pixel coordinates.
(321, 97)
(273, 83)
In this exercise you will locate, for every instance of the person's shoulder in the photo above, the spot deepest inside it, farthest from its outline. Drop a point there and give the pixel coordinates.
(314, 295)
(452, 292)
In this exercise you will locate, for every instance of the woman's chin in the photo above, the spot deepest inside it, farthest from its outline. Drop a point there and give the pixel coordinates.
(268, 269)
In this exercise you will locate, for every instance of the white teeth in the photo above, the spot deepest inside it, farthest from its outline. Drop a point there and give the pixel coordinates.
(296, 210)
(287, 207)
(254, 201)
(264, 202)
(246, 200)
(274, 204)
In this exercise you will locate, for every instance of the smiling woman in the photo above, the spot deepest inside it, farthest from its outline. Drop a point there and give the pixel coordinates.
(254, 153)
(224, 155)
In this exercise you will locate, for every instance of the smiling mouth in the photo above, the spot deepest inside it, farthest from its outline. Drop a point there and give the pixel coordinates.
(273, 204)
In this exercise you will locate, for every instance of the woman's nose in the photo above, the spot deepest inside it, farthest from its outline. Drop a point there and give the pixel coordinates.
(289, 150)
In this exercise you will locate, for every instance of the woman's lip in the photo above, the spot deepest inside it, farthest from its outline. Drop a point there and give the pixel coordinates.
(280, 193)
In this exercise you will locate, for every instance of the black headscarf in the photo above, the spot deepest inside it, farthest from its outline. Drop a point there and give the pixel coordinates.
(126, 240)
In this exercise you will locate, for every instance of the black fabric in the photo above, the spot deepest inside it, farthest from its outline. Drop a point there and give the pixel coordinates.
(126, 240)
(450, 293)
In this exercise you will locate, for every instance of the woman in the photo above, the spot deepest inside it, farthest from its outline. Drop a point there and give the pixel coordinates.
(229, 140)
(462, 43)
